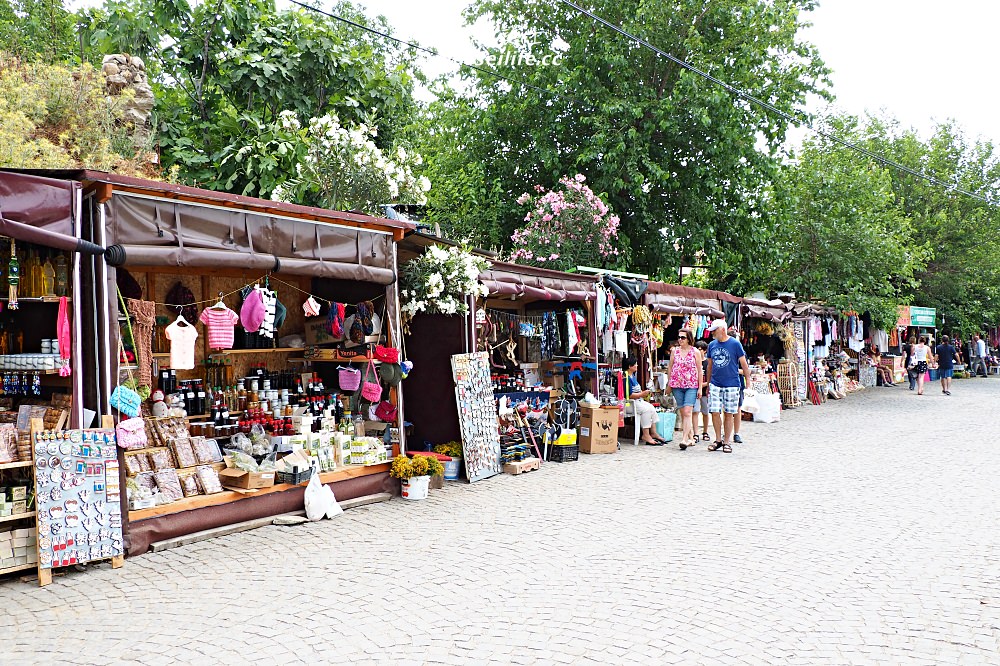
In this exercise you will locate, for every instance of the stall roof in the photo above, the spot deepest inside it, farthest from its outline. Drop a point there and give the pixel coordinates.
(663, 288)
(540, 284)
(164, 190)
(416, 241)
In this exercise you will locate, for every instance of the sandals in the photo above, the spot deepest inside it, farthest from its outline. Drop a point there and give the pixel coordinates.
(726, 448)
(683, 446)
(705, 437)
(717, 446)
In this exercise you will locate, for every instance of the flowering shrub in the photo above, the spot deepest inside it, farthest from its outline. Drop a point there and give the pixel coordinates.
(343, 169)
(439, 280)
(566, 227)
(406, 468)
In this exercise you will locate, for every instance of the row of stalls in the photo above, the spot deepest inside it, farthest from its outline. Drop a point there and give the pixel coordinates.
(176, 360)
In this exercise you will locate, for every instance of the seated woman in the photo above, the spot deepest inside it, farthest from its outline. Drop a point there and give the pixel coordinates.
(642, 411)
(884, 373)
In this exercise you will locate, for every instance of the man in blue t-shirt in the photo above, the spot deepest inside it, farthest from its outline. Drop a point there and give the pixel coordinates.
(727, 358)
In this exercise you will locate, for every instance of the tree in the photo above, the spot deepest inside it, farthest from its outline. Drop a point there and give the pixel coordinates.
(962, 280)
(845, 240)
(225, 70)
(676, 154)
(38, 30)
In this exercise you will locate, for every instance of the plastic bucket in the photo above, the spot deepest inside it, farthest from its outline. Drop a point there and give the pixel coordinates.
(416, 488)
(452, 468)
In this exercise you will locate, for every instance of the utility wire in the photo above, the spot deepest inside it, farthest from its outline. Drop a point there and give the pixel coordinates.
(800, 120)
(436, 53)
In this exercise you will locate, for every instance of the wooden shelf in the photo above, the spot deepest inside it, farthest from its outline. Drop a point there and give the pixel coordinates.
(36, 299)
(355, 359)
(19, 567)
(19, 516)
(201, 501)
(15, 465)
(230, 352)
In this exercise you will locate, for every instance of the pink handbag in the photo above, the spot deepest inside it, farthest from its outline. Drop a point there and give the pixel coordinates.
(131, 434)
(349, 379)
(371, 391)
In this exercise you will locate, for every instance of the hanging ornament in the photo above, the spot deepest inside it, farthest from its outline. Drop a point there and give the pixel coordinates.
(13, 275)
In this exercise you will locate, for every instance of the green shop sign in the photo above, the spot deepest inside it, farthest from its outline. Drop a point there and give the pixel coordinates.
(923, 317)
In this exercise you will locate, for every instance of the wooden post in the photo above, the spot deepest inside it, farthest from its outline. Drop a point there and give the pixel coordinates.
(44, 575)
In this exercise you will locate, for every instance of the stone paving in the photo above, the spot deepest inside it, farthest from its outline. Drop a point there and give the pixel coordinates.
(861, 532)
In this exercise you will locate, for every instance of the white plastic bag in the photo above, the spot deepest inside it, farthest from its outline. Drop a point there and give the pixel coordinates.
(768, 408)
(320, 500)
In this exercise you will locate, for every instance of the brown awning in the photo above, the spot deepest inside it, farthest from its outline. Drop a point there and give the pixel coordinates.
(41, 210)
(153, 231)
(662, 288)
(538, 284)
(764, 310)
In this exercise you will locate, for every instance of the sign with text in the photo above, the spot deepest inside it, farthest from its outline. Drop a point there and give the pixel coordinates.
(923, 317)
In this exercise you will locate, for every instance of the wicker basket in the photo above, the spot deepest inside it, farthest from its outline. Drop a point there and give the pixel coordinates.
(788, 384)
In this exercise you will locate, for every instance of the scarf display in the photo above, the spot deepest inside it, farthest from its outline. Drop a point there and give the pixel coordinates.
(145, 319)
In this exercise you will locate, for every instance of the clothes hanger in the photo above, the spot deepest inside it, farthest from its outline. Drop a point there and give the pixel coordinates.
(180, 317)
(220, 305)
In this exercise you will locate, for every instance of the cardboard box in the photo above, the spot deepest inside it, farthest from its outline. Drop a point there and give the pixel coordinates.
(18, 507)
(532, 374)
(237, 478)
(598, 429)
(18, 492)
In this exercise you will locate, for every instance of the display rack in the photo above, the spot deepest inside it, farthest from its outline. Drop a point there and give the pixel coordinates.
(477, 416)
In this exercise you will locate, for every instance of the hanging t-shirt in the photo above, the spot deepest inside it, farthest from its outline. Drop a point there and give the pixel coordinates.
(182, 340)
(219, 323)
(726, 362)
(270, 299)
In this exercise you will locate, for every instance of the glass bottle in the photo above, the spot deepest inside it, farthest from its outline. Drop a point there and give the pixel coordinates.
(48, 280)
(62, 275)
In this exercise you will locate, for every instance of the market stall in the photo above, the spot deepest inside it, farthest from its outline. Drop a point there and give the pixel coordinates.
(252, 326)
(44, 373)
(536, 327)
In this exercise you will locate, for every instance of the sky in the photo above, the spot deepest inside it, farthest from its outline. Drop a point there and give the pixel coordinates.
(920, 61)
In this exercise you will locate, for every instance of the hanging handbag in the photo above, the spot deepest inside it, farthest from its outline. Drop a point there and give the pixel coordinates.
(371, 391)
(386, 354)
(132, 434)
(386, 412)
(124, 398)
(349, 379)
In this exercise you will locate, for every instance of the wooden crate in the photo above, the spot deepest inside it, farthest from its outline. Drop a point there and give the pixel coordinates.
(522, 466)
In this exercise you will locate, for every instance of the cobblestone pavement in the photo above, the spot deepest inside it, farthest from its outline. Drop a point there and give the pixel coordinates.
(861, 532)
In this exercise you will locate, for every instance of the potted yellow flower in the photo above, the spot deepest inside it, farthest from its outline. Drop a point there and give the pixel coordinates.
(415, 474)
(452, 467)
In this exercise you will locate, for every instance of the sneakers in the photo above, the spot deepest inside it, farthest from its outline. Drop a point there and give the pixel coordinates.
(737, 439)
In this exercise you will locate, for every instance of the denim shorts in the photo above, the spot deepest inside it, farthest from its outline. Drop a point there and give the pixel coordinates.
(686, 397)
(946, 374)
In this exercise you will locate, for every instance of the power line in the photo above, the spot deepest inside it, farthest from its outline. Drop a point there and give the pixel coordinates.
(435, 53)
(773, 109)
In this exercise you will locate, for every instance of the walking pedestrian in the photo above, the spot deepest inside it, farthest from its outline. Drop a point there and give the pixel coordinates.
(945, 355)
(685, 383)
(727, 358)
(907, 356)
(702, 407)
(978, 356)
(642, 411)
(918, 362)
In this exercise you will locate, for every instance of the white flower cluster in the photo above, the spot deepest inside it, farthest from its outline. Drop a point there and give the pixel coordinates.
(439, 281)
(343, 169)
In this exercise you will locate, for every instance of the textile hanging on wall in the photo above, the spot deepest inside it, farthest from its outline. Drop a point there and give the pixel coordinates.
(800, 353)
(550, 335)
(145, 319)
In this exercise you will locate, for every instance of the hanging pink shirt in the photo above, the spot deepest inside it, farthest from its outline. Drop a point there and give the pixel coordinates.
(220, 323)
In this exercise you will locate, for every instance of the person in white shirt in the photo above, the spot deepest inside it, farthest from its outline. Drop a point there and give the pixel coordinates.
(978, 355)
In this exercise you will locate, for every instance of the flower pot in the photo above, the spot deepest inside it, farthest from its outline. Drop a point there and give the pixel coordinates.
(452, 468)
(415, 488)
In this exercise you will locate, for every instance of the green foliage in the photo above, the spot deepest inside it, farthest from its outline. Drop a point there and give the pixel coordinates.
(962, 280)
(844, 241)
(224, 70)
(675, 154)
(54, 117)
(38, 30)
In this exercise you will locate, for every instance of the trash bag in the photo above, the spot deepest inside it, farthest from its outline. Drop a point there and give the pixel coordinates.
(320, 500)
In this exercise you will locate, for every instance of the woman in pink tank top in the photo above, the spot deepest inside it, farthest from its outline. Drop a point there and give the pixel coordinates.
(685, 382)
